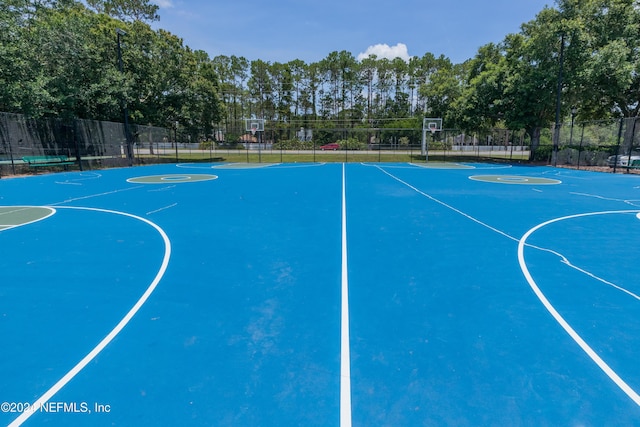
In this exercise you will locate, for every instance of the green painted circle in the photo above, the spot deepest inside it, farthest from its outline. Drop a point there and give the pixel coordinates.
(172, 179)
(515, 179)
(14, 216)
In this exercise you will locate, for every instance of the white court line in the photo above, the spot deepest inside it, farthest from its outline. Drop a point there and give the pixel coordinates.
(118, 328)
(558, 317)
(345, 357)
(162, 209)
(563, 323)
(91, 175)
(632, 202)
(24, 208)
(96, 195)
(305, 165)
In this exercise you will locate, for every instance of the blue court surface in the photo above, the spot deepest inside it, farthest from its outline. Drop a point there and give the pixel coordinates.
(320, 295)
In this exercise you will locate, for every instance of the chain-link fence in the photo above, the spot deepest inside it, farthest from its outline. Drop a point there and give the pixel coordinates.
(26, 144)
(333, 140)
(609, 145)
(613, 143)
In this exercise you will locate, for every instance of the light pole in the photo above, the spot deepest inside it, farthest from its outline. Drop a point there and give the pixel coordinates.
(556, 133)
(125, 112)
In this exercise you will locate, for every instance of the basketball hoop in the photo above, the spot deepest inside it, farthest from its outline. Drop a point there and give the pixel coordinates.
(432, 125)
(254, 126)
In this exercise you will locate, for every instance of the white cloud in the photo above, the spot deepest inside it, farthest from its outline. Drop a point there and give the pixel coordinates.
(386, 51)
(164, 4)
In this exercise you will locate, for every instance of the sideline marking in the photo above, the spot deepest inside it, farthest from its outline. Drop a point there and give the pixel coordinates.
(114, 332)
(558, 317)
(345, 357)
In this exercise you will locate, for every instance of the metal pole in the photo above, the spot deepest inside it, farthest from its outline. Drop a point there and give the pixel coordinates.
(580, 148)
(511, 145)
(573, 116)
(633, 132)
(424, 141)
(615, 164)
(125, 111)
(76, 144)
(13, 165)
(558, 102)
(175, 139)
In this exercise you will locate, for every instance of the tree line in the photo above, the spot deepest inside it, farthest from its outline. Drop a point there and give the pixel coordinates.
(59, 58)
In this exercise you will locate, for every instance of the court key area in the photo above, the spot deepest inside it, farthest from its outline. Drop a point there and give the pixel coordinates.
(312, 294)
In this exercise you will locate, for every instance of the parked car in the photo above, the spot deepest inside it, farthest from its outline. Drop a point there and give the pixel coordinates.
(623, 160)
(333, 146)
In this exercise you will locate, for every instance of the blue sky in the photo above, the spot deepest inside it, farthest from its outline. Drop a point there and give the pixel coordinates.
(283, 30)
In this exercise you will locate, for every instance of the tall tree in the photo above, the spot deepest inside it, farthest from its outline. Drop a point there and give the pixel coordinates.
(22, 80)
(368, 71)
(442, 88)
(261, 90)
(240, 74)
(477, 108)
(126, 10)
(70, 48)
(609, 35)
(533, 61)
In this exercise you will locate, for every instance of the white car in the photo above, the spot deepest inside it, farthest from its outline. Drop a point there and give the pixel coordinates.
(623, 160)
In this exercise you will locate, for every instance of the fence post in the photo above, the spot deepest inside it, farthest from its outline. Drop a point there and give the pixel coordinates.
(580, 147)
(74, 130)
(615, 164)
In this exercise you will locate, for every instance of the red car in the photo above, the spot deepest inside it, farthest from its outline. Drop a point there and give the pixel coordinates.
(333, 146)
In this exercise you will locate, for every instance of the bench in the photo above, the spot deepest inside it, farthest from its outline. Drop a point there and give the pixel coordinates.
(44, 161)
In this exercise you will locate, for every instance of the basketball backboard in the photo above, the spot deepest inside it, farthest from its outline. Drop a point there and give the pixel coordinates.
(254, 125)
(432, 124)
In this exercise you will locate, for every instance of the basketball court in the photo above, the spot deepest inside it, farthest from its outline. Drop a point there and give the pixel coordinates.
(315, 294)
